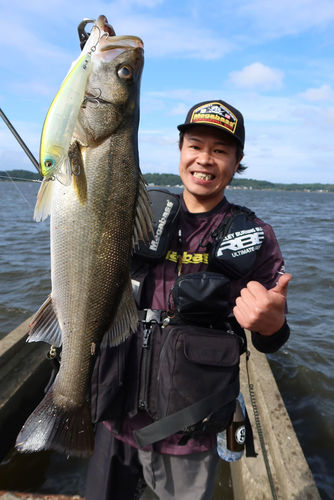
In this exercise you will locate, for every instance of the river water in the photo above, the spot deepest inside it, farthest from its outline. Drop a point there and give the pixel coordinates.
(304, 368)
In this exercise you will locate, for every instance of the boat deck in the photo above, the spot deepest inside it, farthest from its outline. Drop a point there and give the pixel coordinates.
(24, 372)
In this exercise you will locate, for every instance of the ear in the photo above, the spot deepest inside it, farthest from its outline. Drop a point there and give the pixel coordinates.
(238, 163)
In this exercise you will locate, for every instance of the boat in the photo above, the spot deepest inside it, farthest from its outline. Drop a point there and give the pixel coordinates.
(283, 471)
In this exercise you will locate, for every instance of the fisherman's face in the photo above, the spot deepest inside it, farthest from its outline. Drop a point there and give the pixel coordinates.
(207, 165)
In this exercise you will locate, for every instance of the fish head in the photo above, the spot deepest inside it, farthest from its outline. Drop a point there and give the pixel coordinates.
(113, 88)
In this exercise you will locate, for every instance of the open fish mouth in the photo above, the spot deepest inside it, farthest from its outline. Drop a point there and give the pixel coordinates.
(120, 42)
(112, 46)
(203, 176)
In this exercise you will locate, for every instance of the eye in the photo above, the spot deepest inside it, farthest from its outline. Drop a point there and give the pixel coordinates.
(48, 163)
(125, 72)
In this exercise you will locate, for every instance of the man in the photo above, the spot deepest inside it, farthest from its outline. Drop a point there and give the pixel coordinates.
(182, 466)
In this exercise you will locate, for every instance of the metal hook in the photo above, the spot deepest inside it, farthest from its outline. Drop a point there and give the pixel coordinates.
(105, 34)
(90, 100)
(93, 98)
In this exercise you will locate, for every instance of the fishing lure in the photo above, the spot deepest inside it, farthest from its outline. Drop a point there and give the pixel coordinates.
(60, 121)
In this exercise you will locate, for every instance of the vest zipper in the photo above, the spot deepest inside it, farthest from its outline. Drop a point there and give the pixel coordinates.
(162, 353)
(143, 372)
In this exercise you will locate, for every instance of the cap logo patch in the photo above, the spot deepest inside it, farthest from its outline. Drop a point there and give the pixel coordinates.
(216, 114)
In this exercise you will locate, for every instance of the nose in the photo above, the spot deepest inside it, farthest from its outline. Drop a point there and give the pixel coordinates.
(204, 158)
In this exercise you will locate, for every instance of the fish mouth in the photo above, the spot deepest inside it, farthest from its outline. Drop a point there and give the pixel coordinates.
(113, 46)
(120, 42)
(203, 176)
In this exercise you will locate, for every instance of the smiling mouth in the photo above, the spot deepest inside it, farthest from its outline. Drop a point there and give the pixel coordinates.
(202, 176)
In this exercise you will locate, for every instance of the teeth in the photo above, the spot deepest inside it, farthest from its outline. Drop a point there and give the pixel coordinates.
(204, 177)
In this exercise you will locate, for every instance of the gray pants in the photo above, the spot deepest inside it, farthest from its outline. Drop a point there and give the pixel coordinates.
(116, 472)
(182, 477)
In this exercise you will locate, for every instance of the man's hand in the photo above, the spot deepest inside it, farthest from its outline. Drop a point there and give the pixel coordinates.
(261, 310)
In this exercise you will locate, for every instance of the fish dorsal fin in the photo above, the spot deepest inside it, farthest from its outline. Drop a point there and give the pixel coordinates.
(44, 201)
(144, 215)
(45, 326)
(125, 320)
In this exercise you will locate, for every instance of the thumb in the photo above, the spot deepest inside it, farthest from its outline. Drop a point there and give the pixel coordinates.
(282, 285)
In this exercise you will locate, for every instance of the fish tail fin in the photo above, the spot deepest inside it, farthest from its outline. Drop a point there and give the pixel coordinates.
(53, 427)
(125, 321)
(44, 201)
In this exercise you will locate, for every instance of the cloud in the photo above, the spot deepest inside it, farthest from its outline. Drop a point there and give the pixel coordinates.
(323, 93)
(284, 17)
(329, 117)
(181, 109)
(147, 3)
(257, 76)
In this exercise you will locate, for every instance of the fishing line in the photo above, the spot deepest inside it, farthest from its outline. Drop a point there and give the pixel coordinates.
(25, 199)
(23, 179)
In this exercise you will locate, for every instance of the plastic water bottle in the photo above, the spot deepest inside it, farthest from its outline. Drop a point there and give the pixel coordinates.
(230, 442)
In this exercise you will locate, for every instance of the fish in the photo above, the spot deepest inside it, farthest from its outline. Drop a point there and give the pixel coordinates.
(95, 224)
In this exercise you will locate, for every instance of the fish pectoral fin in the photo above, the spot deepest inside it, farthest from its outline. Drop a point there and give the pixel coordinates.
(64, 428)
(45, 326)
(44, 201)
(79, 174)
(75, 156)
(125, 320)
(64, 173)
(144, 216)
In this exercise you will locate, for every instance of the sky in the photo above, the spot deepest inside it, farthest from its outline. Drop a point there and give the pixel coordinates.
(271, 59)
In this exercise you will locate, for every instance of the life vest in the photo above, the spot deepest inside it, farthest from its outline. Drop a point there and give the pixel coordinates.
(185, 375)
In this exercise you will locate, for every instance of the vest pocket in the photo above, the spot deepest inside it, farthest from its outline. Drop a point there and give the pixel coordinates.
(195, 363)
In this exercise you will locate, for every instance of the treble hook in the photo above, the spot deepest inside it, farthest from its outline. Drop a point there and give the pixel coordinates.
(106, 35)
(93, 98)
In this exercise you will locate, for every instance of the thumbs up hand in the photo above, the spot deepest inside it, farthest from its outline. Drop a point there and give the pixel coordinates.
(261, 310)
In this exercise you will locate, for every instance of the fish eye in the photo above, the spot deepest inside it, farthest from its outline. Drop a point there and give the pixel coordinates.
(48, 163)
(125, 72)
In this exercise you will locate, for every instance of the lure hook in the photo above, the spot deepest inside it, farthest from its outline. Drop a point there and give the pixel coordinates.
(93, 98)
(106, 35)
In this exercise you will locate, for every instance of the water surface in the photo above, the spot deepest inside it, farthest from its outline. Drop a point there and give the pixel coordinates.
(304, 368)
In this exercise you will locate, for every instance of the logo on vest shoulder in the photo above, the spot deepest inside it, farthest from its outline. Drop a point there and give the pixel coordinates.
(242, 242)
(161, 224)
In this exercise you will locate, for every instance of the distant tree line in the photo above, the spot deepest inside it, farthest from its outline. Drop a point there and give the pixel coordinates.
(19, 175)
(163, 179)
(254, 184)
(175, 180)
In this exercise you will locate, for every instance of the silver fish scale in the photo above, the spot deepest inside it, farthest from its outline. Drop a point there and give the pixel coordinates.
(91, 248)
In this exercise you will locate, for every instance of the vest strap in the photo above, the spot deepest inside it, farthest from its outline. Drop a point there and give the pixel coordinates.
(188, 416)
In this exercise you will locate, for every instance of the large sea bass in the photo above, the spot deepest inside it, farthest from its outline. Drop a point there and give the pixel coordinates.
(95, 222)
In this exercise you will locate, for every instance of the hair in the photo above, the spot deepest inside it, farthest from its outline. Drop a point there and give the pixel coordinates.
(239, 154)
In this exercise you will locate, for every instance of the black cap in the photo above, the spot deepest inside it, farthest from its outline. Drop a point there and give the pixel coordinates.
(216, 114)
